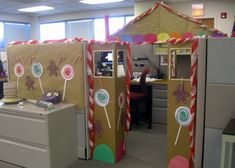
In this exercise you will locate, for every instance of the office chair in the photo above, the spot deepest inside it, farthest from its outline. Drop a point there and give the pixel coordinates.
(140, 97)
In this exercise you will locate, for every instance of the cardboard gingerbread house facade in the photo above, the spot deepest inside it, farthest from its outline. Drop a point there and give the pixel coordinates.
(161, 23)
(175, 36)
(93, 76)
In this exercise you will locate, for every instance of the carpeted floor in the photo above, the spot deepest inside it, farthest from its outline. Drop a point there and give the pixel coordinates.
(145, 149)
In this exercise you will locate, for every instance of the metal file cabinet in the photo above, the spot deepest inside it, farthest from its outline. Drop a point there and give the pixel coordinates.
(35, 138)
(159, 103)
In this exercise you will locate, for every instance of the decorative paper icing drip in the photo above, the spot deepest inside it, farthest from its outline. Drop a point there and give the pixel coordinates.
(67, 73)
(101, 98)
(19, 72)
(183, 117)
(37, 71)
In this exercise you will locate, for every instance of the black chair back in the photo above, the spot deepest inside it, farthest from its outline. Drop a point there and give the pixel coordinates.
(143, 85)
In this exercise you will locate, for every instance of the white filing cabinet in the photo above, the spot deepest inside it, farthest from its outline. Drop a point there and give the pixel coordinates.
(34, 138)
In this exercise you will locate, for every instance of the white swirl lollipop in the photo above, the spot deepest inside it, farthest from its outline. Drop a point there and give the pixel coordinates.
(183, 117)
(121, 102)
(101, 98)
(37, 71)
(19, 72)
(67, 73)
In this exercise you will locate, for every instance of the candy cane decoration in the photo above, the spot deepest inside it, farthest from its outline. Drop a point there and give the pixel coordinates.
(173, 55)
(37, 71)
(193, 80)
(128, 81)
(19, 72)
(91, 98)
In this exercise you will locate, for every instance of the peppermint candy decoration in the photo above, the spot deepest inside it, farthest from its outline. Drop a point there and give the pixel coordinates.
(19, 70)
(183, 116)
(67, 72)
(37, 70)
(101, 97)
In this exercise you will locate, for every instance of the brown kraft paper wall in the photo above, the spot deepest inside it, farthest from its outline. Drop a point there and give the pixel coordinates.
(61, 54)
(182, 147)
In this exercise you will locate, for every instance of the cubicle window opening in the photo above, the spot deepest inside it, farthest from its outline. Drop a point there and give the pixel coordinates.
(2, 39)
(121, 63)
(49, 31)
(179, 63)
(103, 63)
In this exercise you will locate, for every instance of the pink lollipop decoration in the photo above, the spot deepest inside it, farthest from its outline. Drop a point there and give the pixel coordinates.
(121, 101)
(37, 71)
(19, 72)
(67, 73)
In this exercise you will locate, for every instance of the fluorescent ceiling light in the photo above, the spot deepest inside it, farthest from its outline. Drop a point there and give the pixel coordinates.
(99, 1)
(36, 9)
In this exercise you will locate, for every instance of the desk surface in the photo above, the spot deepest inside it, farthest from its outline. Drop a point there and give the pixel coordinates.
(3, 79)
(156, 82)
(230, 128)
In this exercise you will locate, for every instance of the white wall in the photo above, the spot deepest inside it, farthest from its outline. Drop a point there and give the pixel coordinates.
(212, 9)
(88, 14)
(140, 7)
(14, 18)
